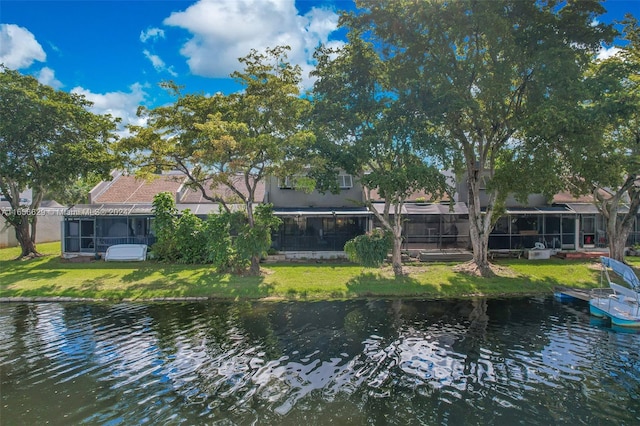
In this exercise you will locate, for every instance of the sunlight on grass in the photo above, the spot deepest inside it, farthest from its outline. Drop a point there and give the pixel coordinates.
(52, 276)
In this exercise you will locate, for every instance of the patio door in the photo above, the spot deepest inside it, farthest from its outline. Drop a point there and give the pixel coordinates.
(568, 236)
(588, 231)
(79, 236)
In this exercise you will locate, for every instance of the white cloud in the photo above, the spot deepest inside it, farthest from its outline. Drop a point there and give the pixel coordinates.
(151, 34)
(18, 47)
(225, 30)
(158, 63)
(608, 52)
(47, 76)
(119, 104)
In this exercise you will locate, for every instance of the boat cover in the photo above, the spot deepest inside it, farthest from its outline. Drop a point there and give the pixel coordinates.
(623, 270)
(126, 252)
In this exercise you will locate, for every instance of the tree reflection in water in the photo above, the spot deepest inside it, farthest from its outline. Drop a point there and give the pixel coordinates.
(472, 361)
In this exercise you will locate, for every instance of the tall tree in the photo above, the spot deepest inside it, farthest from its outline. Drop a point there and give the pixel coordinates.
(76, 192)
(608, 163)
(368, 132)
(235, 140)
(48, 140)
(477, 72)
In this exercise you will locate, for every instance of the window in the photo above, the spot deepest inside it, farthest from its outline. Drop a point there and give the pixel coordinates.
(345, 181)
(484, 181)
(287, 183)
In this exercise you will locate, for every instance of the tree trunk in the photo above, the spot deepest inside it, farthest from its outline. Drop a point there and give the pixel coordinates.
(396, 254)
(479, 227)
(254, 269)
(619, 226)
(480, 246)
(616, 248)
(618, 230)
(25, 238)
(250, 219)
(392, 223)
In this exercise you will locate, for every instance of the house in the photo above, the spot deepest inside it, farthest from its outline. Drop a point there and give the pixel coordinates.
(319, 224)
(120, 211)
(563, 222)
(316, 224)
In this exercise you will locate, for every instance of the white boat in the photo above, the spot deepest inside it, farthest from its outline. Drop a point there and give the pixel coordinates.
(126, 252)
(623, 306)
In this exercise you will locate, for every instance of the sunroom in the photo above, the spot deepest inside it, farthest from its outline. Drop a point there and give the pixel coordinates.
(91, 229)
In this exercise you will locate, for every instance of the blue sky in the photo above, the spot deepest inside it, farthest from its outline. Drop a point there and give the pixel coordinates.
(116, 52)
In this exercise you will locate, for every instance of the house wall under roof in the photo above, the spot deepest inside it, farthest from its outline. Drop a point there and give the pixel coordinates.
(286, 196)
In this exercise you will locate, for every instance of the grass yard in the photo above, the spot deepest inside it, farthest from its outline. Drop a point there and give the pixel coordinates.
(51, 276)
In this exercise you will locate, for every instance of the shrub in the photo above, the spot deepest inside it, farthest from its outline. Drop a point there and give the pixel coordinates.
(185, 238)
(190, 239)
(164, 208)
(218, 241)
(370, 249)
(256, 241)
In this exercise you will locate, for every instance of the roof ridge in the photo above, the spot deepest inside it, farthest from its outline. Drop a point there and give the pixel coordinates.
(140, 185)
(102, 186)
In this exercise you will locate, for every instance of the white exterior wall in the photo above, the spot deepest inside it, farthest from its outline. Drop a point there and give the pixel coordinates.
(47, 229)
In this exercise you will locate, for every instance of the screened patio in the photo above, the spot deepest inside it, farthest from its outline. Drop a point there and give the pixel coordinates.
(90, 229)
(557, 227)
(318, 229)
(433, 226)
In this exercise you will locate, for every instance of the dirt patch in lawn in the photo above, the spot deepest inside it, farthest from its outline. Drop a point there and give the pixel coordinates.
(470, 268)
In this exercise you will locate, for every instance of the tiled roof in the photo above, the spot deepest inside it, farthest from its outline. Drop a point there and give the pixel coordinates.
(130, 189)
(125, 189)
(189, 195)
(565, 197)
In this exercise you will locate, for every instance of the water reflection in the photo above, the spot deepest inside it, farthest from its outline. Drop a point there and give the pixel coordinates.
(530, 361)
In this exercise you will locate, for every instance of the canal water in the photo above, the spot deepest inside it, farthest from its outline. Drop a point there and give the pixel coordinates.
(398, 362)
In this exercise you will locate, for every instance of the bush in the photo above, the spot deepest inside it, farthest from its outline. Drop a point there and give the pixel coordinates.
(218, 241)
(370, 249)
(185, 238)
(190, 239)
(164, 208)
(254, 241)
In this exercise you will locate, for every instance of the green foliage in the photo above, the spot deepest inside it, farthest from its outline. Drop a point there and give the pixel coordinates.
(607, 163)
(180, 238)
(235, 141)
(219, 249)
(191, 238)
(370, 249)
(166, 217)
(254, 241)
(185, 238)
(49, 140)
(76, 192)
(493, 83)
(365, 127)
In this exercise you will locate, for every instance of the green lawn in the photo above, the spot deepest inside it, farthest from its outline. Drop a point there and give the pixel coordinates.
(52, 276)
